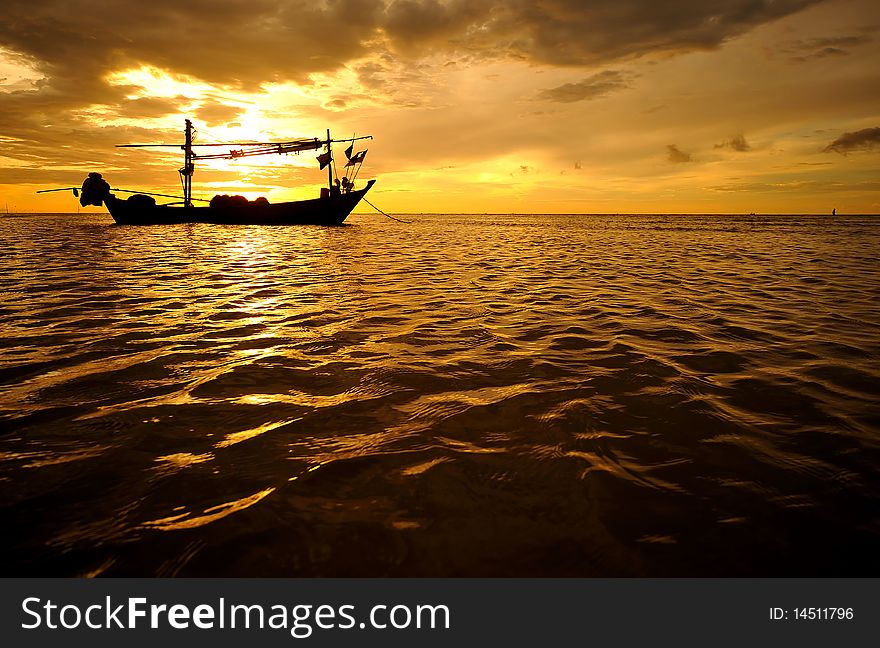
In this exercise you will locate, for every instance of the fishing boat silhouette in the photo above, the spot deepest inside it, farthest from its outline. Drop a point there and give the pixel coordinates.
(332, 207)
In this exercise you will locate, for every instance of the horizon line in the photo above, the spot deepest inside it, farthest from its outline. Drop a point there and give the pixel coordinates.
(538, 213)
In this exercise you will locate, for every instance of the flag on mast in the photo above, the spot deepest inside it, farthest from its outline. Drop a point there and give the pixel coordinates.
(357, 158)
(349, 150)
(324, 159)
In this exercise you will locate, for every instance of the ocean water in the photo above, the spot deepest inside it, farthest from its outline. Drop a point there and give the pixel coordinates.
(463, 395)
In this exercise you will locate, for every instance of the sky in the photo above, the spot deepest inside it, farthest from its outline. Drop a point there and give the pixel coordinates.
(544, 106)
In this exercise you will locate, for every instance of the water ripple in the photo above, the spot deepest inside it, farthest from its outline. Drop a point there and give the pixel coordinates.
(466, 395)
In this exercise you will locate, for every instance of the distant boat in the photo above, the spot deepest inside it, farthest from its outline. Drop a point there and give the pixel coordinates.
(332, 207)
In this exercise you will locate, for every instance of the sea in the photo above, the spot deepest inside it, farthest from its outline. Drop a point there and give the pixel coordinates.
(451, 396)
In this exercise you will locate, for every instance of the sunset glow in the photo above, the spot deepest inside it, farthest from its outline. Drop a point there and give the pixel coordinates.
(474, 107)
(532, 290)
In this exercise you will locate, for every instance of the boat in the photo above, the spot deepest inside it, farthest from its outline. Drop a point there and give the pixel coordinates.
(335, 202)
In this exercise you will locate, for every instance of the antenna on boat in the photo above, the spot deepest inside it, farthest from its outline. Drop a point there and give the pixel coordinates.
(186, 172)
(330, 163)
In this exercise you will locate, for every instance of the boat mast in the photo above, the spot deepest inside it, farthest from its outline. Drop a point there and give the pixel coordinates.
(187, 171)
(329, 164)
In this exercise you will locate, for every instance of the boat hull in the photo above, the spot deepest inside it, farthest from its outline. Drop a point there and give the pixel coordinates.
(328, 210)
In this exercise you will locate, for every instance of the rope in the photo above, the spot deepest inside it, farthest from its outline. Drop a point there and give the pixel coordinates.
(384, 214)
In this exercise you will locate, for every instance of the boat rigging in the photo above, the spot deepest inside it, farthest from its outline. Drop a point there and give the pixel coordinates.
(245, 149)
(332, 207)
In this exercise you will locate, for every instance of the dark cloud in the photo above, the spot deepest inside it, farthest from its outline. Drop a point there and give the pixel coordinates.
(825, 52)
(248, 42)
(572, 32)
(819, 48)
(676, 155)
(235, 42)
(862, 140)
(415, 25)
(593, 87)
(737, 143)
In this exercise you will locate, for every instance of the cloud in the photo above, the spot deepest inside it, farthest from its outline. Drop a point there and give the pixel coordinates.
(592, 87)
(572, 32)
(71, 47)
(824, 186)
(148, 107)
(764, 187)
(825, 52)
(247, 42)
(737, 143)
(819, 48)
(216, 114)
(395, 80)
(676, 155)
(862, 140)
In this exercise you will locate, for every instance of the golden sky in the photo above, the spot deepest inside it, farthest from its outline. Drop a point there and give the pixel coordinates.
(766, 106)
